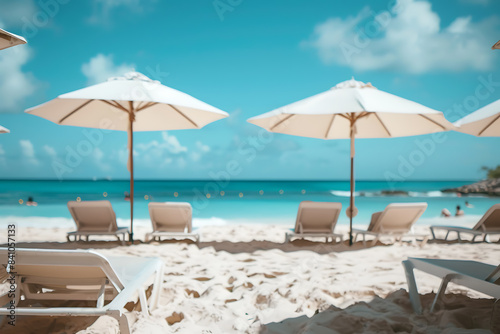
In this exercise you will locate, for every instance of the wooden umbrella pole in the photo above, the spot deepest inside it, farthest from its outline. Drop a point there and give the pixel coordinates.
(351, 206)
(131, 166)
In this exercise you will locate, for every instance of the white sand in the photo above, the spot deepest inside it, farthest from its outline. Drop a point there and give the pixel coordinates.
(242, 279)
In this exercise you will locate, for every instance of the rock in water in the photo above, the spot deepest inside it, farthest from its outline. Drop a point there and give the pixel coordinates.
(487, 187)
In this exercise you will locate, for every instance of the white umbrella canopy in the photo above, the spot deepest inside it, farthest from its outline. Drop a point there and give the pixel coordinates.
(496, 46)
(4, 130)
(8, 39)
(129, 103)
(484, 122)
(353, 109)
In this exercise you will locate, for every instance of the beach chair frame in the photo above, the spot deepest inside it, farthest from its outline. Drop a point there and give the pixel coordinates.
(118, 280)
(475, 275)
(377, 229)
(182, 211)
(479, 230)
(306, 229)
(109, 228)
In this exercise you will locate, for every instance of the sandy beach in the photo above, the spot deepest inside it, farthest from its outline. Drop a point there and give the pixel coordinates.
(243, 279)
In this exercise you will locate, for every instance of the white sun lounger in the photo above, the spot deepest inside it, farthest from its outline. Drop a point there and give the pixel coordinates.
(478, 276)
(395, 221)
(316, 219)
(489, 224)
(94, 218)
(80, 275)
(171, 220)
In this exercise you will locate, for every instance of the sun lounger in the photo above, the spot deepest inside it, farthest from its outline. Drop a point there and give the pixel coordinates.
(171, 220)
(316, 219)
(94, 218)
(395, 221)
(489, 224)
(478, 276)
(47, 276)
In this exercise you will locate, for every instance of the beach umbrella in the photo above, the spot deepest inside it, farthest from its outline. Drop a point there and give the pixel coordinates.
(496, 46)
(129, 103)
(4, 130)
(8, 39)
(353, 109)
(484, 122)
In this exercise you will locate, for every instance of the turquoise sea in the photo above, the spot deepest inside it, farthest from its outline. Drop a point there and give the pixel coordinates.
(231, 202)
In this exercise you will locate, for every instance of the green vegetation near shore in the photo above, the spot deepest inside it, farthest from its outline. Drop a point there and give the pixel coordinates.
(492, 173)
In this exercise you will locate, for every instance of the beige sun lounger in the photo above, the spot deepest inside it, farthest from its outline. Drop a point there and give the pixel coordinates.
(94, 218)
(316, 219)
(478, 276)
(396, 221)
(171, 220)
(45, 275)
(489, 224)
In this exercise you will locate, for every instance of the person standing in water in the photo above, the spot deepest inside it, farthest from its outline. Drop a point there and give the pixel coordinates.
(459, 212)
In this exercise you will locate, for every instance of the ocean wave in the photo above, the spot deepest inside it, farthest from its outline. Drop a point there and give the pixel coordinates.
(394, 193)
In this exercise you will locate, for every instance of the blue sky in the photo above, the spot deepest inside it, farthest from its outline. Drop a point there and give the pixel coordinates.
(247, 58)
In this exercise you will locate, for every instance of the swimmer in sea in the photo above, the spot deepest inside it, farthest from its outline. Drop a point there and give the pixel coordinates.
(445, 213)
(459, 212)
(31, 202)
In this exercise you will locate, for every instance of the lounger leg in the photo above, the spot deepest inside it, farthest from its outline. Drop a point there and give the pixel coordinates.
(441, 291)
(123, 324)
(287, 238)
(433, 234)
(374, 242)
(447, 234)
(144, 302)
(412, 287)
(424, 242)
(486, 238)
(87, 238)
(458, 237)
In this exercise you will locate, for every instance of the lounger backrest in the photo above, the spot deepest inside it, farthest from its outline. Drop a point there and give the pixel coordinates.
(398, 217)
(93, 216)
(60, 266)
(491, 220)
(317, 217)
(171, 217)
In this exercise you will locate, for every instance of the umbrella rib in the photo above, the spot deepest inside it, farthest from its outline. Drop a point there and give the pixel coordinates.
(280, 122)
(433, 121)
(329, 127)
(383, 125)
(74, 111)
(186, 117)
(115, 104)
(487, 126)
(150, 104)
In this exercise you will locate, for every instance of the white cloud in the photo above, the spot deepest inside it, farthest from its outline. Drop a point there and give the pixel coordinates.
(50, 151)
(407, 39)
(101, 67)
(28, 152)
(102, 9)
(15, 85)
(99, 156)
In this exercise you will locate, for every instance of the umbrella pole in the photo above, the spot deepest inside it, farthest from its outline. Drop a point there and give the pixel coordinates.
(131, 160)
(351, 205)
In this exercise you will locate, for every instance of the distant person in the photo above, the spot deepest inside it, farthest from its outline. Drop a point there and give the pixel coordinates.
(467, 204)
(459, 212)
(31, 202)
(445, 213)
(127, 196)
